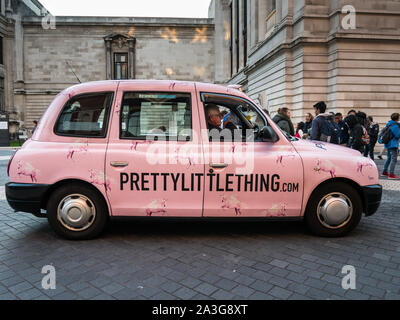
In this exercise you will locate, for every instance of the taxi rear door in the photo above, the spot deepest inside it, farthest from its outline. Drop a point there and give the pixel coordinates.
(154, 162)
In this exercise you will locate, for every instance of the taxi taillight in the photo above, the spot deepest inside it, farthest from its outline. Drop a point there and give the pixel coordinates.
(9, 162)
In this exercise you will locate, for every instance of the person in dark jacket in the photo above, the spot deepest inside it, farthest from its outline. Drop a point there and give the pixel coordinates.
(392, 147)
(373, 132)
(282, 119)
(321, 116)
(343, 129)
(356, 133)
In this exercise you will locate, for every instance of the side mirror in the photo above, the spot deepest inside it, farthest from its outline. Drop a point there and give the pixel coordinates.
(269, 135)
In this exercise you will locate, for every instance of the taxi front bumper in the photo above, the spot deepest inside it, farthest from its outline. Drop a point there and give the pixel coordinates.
(372, 196)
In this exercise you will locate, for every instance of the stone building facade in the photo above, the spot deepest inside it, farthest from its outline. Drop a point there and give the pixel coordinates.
(46, 55)
(294, 53)
(285, 53)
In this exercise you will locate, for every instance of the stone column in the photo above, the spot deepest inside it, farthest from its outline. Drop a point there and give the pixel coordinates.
(235, 37)
(108, 42)
(131, 57)
(8, 8)
(262, 15)
(19, 49)
(253, 22)
(278, 14)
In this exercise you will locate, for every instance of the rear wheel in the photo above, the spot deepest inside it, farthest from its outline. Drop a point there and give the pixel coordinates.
(77, 212)
(334, 210)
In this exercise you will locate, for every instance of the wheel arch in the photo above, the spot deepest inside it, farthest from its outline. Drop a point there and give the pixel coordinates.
(58, 184)
(350, 182)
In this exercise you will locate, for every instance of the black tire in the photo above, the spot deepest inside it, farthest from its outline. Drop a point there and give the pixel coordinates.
(98, 223)
(316, 226)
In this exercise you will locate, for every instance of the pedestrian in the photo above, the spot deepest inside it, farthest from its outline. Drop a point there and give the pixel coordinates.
(322, 129)
(308, 123)
(392, 147)
(373, 132)
(343, 133)
(35, 123)
(299, 130)
(356, 133)
(282, 119)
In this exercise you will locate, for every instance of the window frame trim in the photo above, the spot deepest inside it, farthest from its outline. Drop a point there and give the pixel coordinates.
(107, 116)
(167, 138)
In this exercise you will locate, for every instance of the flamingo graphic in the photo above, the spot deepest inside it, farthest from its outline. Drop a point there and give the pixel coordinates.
(362, 165)
(277, 210)
(99, 178)
(232, 203)
(27, 170)
(135, 144)
(156, 207)
(279, 159)
(77, 148)
(326, 166)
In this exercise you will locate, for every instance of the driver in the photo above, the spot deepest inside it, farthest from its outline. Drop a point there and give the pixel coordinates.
(214, 122)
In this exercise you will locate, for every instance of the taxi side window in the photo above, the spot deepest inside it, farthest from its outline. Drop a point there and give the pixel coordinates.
(153, 115)
(85, 116)
(231, 118)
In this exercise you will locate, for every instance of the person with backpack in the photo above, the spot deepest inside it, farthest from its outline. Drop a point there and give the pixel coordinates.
(356, 133)
(318, 123)
(390, 136)
(282, 119)
(373, 132)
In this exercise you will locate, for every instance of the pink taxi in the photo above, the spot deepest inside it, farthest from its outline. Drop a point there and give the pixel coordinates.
(181, 149)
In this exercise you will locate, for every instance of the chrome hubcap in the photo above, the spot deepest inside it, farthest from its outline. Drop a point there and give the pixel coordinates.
(335, 210)
(76, 212)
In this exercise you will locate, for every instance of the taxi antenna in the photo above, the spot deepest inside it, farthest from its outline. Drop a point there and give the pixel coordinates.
(72, 70)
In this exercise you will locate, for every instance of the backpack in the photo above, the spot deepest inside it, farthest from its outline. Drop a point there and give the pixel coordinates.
(385, 134)
(373, 130)
(329, 131)
(365, 137)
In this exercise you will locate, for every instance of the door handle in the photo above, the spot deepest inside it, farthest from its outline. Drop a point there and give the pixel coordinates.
(119, 164)
(218, 165)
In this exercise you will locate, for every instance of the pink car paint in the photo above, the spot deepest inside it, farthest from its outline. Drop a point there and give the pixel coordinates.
(280, 182)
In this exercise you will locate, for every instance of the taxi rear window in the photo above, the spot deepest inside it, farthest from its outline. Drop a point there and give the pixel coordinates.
(85, 116)
(150, 115)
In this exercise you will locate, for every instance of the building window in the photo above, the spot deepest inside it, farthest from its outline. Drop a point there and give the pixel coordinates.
(1, 50)
(271, 17)
(2, 102)
(3, 7)
(120, 66)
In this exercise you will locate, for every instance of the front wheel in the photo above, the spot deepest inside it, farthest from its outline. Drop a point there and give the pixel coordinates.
(334, 210)
(77, 212)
